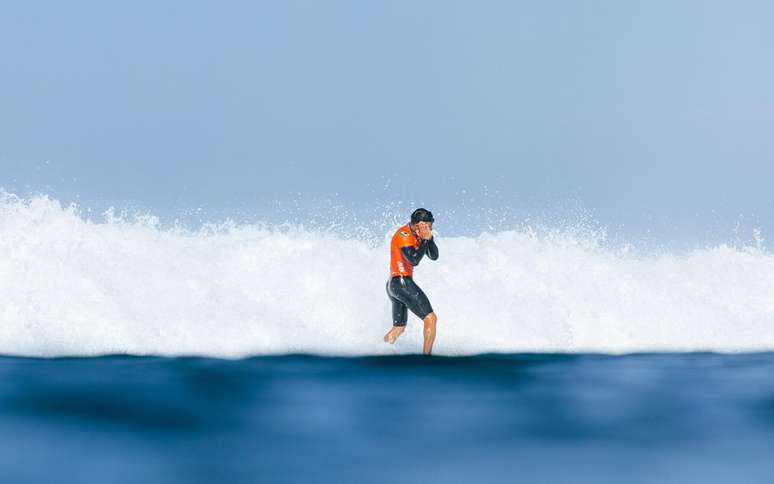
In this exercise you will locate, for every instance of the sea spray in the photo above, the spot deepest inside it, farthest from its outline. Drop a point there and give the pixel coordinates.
(74, 286)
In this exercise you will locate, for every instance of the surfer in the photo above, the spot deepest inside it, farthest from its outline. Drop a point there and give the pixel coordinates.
(409, 244)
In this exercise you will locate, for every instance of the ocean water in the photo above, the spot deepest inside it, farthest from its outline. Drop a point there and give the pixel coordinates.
(137, 352)
(537, 418)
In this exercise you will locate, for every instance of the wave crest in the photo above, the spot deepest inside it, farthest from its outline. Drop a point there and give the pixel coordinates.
(71, 286)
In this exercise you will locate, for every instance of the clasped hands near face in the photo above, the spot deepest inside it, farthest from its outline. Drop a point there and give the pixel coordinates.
(425, 230)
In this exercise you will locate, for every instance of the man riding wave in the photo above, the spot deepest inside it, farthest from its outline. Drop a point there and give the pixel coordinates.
(407, 248)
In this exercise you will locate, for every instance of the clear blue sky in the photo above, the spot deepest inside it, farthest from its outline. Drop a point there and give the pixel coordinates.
(652, 115)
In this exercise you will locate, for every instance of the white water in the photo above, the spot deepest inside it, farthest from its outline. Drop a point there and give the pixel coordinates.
(73, 287)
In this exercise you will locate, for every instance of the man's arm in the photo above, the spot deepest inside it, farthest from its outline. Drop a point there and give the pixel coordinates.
(414, 256)
(432, 249)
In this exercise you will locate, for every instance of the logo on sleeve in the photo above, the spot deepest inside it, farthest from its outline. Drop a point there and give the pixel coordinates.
(404, 234)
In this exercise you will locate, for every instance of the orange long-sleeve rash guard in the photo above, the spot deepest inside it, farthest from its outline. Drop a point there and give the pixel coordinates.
(407, 249)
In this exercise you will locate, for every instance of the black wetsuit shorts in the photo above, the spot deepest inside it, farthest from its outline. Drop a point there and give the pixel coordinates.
(405, 294)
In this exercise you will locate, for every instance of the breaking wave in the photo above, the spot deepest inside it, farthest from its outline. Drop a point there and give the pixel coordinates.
(73, 286)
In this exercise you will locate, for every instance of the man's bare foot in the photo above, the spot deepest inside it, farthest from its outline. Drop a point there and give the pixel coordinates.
(393, 334)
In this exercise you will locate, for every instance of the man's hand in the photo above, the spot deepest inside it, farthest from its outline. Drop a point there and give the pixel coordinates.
(424, 230)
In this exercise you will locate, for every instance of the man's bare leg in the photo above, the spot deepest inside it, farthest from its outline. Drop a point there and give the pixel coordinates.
(393, 334)
(430, 321)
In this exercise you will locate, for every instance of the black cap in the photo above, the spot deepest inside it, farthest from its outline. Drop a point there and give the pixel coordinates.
(422, 215)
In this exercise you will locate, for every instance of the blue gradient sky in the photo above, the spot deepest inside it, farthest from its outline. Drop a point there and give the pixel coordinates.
(652, 116)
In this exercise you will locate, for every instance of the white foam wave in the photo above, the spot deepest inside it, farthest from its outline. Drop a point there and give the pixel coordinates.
(69, 286)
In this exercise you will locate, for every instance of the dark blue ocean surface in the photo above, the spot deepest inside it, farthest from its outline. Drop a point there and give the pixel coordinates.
(533, 418)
